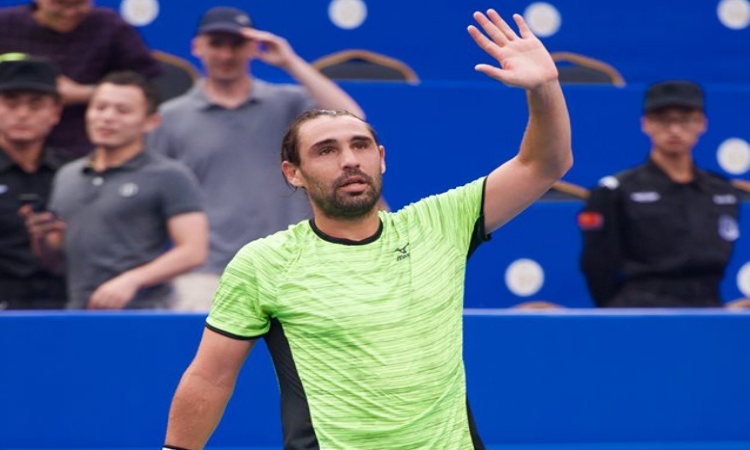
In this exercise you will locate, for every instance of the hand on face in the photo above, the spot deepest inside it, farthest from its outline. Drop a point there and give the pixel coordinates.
(523, 60)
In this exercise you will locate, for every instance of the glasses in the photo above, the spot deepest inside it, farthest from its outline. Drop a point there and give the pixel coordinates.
(682, 121)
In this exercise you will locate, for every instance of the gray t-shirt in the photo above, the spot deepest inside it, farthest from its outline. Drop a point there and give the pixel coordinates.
(117, 220)
(235, 154)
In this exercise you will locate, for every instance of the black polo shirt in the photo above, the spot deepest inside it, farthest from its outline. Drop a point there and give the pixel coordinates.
(23, 281)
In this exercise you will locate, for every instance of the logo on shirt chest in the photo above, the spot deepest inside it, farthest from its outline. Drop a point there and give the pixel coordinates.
(402, 252)
(729, 230)
(645, 197)
(128, 189)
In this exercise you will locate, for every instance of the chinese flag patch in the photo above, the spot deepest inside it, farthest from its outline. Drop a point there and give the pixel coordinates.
(590, 220)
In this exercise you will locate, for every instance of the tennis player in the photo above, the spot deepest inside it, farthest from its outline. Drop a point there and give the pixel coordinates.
(362, 309)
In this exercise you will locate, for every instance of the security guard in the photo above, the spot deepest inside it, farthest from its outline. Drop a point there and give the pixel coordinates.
(661, 234)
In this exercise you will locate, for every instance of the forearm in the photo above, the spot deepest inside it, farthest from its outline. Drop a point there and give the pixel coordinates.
(325, 93)
(176, 261)
(196, 410)
(81, 93)
(546, 144)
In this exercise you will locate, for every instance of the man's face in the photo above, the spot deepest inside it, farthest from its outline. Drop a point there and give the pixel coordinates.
(27, 116)
(62, 16)
(225, 56)
(117, 116)
(674, 130)
(341, 166)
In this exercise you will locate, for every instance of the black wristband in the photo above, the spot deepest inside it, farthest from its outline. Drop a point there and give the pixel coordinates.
(172, 447)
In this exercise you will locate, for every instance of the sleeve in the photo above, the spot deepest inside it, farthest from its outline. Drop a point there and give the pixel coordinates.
(236, 310)
(158, 142)
(455, 215)
(601, 257)
(131, 52)
(181, 191)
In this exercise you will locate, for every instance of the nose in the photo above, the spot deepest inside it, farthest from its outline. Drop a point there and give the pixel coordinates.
(349, 159)
(23, 110)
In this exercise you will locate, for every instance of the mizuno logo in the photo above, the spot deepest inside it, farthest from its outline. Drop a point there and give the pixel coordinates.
(403, 253)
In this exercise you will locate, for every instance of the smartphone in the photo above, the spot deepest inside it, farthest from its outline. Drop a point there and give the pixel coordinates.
(33, 200)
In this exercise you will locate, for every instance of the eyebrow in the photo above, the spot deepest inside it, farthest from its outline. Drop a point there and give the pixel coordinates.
(331, 141)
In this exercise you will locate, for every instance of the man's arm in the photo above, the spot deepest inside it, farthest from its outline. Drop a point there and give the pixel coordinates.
(545, 154)
(326, 94)
(189, 235)
(205, 389)
(601, 255)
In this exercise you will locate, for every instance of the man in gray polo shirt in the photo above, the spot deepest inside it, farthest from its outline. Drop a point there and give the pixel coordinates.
(228, 130)
(124, 221)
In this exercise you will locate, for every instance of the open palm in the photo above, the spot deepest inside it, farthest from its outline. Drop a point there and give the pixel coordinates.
(523, 61)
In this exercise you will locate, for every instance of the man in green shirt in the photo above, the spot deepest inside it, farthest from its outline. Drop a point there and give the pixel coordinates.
(362, 309)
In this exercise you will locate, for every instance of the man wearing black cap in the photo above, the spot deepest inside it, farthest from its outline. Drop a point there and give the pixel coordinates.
(228, 131)
(661, 234)
(29, 107)
(86, 43)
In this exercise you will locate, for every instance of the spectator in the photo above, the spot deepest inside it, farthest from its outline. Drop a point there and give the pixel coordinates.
(114, 215)
(362, 309)
(29, 107)
(661, 234)
(86, 43)
(228, 129)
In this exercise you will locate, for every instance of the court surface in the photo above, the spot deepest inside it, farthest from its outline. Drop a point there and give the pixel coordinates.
(626, 446)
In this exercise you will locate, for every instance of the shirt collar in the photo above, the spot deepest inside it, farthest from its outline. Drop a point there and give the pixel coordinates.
(134, 163)
(258, 93)
(49, 158)
(699, 176)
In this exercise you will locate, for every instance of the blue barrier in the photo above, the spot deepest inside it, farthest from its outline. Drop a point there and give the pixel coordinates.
(105, 380)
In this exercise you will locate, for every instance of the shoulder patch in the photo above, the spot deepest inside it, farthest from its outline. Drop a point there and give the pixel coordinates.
(609, 182)
(590, 220)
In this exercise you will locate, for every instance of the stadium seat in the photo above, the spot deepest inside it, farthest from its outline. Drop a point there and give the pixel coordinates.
(357, 64)
(575, 68)
(177, 77)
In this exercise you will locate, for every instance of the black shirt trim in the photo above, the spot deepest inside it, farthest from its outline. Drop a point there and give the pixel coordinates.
(233, 336)
(342, 241)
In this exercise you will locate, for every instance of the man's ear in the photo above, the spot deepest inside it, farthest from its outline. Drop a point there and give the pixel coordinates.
(194, 50)
(382, 159)
(292, 174)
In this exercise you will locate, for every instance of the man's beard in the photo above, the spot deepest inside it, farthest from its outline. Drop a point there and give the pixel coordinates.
(342, 205)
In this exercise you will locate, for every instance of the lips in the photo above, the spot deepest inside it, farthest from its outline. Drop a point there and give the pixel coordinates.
(353, 180)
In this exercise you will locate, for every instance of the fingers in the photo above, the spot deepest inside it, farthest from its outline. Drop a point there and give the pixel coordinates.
(494, 72)
(41, 224)
(496, 28)
(502, 25)
(483, 42)
(523, 27)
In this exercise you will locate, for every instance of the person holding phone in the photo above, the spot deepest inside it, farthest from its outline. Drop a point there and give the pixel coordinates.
(30, 107)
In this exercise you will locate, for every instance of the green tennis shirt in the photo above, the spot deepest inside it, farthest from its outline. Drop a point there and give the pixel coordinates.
(366, 336)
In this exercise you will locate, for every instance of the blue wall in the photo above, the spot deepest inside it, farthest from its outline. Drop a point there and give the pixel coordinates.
(106, 380)
(645, 40)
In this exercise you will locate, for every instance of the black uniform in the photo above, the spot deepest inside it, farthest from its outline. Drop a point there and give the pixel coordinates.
(649, 241)
(24, 284)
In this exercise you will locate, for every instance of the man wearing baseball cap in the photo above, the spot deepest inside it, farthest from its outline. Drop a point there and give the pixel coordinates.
(86, 42)
(30, 107)
(228, 131)
(661, 234)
